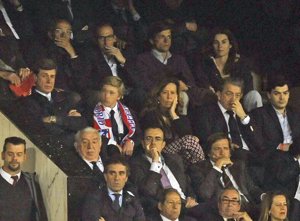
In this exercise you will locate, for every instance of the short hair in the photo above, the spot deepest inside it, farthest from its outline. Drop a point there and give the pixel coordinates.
(117, 160)
(236, 81)
(14, 141)
(226, 189)
(146, 125)
(45, 64)
(77, 137)
(266, 204)
(166, 192)
(276, 81)
(53, 23)
(115, 82)
(216, 137)
(158, 27)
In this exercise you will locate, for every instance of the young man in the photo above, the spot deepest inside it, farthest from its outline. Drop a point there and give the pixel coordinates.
(17, 189)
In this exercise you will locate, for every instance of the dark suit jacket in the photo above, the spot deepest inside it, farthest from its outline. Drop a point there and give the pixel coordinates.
(99, 204)
(282, 173)
(36, 106)
(207, 183)
(268, 134)
(148, 182)
(208, 120)
(157, 217)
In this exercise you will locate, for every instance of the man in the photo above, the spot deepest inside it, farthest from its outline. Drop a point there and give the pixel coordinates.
(229, 207)
(169, 207)
(103, 60)
(152, 172)
(227, 116)
(277, 123)
(160, 62)
(17, 188)
(47, 110)
(116, 202)
(210, 176)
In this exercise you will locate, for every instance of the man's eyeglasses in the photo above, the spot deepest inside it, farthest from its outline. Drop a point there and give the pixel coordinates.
(61, 32)
(107, 38)
(232, 202)
(153, 139)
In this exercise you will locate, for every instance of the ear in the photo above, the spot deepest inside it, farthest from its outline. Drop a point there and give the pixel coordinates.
(269, 95)
(159, 206)
(163, 144)
(105, 177)
(25, 157)
(151, 41)
(50, 35)
(2, 155)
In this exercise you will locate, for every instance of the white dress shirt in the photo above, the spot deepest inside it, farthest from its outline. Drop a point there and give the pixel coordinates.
(99, 164)
(166, 219)
(160, 56)
(48, 96)
(111, 61)
(112, 196)
(7, 176)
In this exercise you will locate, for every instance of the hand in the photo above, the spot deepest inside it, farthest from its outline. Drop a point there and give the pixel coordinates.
(191, 26)
(182, 86)
(238, 109)
(49, 119)
(223, 162)
(243, 216)
(172, 110)
(128, 148)
(74, 113)
(190, 202)
(101, 219)
(13, 78)
(24, 73)
(121, 44)
(284, 147)
(65, 43)
(113, 51)
(154, 154)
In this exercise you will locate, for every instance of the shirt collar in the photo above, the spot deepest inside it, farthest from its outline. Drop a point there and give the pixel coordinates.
(110, 192)
(166, 219)
(48, 96)
(159, 55)
(223, 110)
(108, 109)
(7, 176)
(278, 113)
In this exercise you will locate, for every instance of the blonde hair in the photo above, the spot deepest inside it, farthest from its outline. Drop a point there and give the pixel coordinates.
(115, 82)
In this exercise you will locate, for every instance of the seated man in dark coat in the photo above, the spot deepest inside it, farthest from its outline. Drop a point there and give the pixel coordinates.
(113, 202)
(49, 111)
(210, 176)
(152, 172)
(169, 208)
(229, 207)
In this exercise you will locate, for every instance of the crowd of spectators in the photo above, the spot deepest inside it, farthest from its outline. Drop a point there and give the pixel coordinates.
(164, 110)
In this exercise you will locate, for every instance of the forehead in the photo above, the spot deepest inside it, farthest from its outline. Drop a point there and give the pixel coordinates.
(166, 32)
(89, 136)
(231, 194)
(47, 72)
(108, 87)
(116, 167)
(172, 196)
(154, 132)
(221, 143)
(15, 148)
(232, 88)
(105, 30)
(170, 86)
(63, 25)
(279, 199)
(220, 37)
(283, 88)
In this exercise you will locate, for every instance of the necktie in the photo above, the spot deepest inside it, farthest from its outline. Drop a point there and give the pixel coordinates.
(114, 126)
(234, 129)
(116, 203)
(95, 167)
(226, 180)
(15, 178)
(164, 179)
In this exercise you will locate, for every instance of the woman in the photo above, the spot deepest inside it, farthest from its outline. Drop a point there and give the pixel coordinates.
(222, 60)
(274, 207)
(113, 119)
(162, 106)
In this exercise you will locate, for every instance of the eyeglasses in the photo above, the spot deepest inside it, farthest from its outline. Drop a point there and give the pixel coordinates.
(230, 94)
(232, 202)
(107, 38)
(153, 139)
(61, 32)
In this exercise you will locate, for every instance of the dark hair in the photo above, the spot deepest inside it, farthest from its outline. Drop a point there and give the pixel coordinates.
(117, 160)
(101, 25)
(45, 64)
(276, 80)
(14, 141)
(267, 203)
(152, 100)
(53, 23)
(236, 81)
(216, 137)
(165, 193)
(158, 27)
